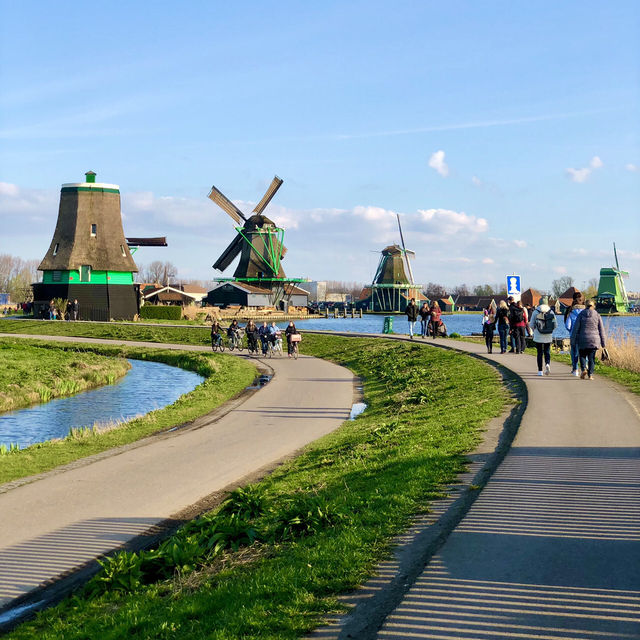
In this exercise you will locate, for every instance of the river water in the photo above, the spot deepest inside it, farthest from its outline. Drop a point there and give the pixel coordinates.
(465, 324)
(146, 386)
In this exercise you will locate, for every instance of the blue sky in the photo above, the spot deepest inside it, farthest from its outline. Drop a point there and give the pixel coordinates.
(504, 133)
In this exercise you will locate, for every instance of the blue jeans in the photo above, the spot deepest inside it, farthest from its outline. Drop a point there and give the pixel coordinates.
(503, 330)
(425, 327)
(412, 324)
(588, 360)
(575, 356)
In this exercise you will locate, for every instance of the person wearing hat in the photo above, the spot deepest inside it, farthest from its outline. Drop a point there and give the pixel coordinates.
(588, 332)
(543, 322)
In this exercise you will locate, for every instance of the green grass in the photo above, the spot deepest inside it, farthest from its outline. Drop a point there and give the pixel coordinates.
(225, 377)
(323, 520)
(32, 373)
(111, 331)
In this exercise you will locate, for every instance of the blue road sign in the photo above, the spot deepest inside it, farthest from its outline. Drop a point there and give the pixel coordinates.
(513, 285)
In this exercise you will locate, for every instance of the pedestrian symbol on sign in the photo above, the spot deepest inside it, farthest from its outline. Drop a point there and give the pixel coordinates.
(513, 285)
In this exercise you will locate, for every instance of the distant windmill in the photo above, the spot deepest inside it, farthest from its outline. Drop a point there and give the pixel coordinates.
(393, 284)
(258, 239)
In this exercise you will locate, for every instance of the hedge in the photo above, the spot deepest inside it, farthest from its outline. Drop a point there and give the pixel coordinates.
(160, 312)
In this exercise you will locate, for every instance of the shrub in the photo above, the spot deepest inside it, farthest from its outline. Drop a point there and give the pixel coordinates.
(160, 312)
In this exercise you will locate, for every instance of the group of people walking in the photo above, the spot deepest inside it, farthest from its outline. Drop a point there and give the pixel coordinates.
(430, 319)
(266, 334)
(514, 321)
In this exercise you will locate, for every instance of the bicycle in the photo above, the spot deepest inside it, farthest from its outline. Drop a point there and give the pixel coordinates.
(235, 341)
(216, 343)
(253, 347)
(294, 341)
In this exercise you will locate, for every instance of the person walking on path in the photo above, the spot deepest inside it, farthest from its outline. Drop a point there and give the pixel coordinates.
(502, 318)
(435, 313)
(517, 322)
(570, 317)
(489, 325)
(543, 322)
(264, 332)
(588, 332)
(412, 315)
(424, 319)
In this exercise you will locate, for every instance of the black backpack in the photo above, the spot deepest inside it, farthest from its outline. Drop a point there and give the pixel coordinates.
(517, 314)
(545, 321)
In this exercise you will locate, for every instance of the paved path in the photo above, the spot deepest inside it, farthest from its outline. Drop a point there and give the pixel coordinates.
(551, 547)
(53, 525)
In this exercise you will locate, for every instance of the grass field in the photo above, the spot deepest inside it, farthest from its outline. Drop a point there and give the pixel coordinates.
(31, 373)
(226, 376)
(272, 561)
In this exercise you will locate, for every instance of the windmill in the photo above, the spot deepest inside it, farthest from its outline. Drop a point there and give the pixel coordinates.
(258, 240)
(612, 296)
(259, 243)
(393, 284)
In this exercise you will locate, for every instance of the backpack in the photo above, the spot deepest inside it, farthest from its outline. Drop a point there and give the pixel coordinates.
(545, 322)
(517, 315)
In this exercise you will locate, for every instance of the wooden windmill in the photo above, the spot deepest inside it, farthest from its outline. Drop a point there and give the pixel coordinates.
(259, 275)
(393, 284)
(258, 240)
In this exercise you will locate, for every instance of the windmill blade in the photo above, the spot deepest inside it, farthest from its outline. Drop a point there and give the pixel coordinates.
(266, 198)
(406, 252)
(226, 205)
(283, 251)
(229, 254)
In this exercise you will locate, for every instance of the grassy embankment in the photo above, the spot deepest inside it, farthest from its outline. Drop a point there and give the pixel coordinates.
(272, 561)
(225, 377)
(32, 373)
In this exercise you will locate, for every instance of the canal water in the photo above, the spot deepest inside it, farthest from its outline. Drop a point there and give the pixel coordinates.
(465, 324)
(147, 386)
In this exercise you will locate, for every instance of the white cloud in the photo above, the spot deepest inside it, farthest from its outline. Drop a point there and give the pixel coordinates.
(447, 222)
(8, 189)
(476, 181)
(436, 161)
(488, 261)
(582, 175)
(521, 244)
(579, 175)
(632, 167)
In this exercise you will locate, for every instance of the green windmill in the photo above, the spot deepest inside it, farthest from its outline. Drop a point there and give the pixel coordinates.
(612, 296)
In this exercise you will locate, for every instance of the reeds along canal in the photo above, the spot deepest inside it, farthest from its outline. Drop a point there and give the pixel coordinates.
(147, 386)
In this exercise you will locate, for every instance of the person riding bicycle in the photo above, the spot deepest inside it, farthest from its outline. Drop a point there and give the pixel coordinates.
(275, 335)
(216, 332)
(252, 335)
(232, 329)
(263, 333)
(290, 331)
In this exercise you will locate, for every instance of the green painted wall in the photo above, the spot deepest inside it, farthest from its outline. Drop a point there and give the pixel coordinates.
(97, 277)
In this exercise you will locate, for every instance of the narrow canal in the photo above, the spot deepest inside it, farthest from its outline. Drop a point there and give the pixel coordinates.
(147, 386)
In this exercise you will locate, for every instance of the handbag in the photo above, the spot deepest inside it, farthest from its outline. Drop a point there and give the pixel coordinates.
(604, 356)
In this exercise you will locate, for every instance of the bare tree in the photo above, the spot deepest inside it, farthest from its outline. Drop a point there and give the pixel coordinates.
(157, 271)
(434, 291)
(16, 277)
(483, 290)
(338, 286)
(461, 290)
(592, 288)
(560, 285)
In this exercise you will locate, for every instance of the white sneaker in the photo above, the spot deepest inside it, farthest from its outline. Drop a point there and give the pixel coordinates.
(575, 373)
(547, 369)
(540, 373)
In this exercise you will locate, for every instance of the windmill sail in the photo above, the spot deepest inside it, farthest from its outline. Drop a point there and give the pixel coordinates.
(266, 198)
(226, 205)
(406, 252)
(229, 254)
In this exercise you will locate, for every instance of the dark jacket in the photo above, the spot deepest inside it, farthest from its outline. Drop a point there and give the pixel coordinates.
(412, 312)
(424, 313)
(588, 330)
(289, 331)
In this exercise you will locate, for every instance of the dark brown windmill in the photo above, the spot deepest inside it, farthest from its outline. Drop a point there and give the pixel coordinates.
(258, 240)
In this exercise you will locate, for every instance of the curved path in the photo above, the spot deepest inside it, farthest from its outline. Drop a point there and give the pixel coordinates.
(59, 522)
(551, 547)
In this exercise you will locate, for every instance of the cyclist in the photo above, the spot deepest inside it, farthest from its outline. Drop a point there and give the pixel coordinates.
(263, 332)
(252, 336)
(290, 331)
(232, 329)
(216, 333)
(275, 337)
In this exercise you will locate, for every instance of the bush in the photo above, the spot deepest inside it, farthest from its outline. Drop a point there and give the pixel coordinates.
(160, 312)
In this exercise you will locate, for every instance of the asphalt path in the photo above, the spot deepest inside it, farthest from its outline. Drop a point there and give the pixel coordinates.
(550, 549)
(55, 524)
